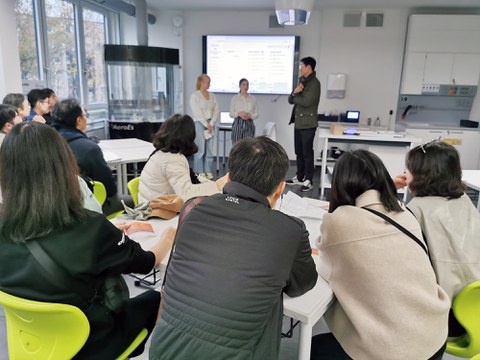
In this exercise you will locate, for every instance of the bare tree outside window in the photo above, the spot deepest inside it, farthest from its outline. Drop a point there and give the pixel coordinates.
(94, 24)
(62, 55)
(27, 44)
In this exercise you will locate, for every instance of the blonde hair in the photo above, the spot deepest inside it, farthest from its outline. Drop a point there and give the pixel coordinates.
(200, 79)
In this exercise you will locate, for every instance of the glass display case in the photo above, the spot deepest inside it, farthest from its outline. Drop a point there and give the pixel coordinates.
(143, 89)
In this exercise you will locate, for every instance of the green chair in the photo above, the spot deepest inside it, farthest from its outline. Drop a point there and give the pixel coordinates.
(100, 194)
(466, 307)
(41, 330)
(133, 189)
(48, 331)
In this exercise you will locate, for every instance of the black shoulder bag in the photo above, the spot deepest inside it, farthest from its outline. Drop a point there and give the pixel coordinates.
(114, 290)
(399, 227)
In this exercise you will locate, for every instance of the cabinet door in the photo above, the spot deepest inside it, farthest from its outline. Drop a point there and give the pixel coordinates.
(425, 135)
(466, 69)
(438, 68)
(413, 73)
(467, 144)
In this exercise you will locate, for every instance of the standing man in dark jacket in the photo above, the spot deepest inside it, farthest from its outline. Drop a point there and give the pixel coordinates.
(305, 98)
(235, 256)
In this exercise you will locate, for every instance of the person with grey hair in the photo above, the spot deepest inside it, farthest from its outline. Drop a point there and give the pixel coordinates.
(70, 119)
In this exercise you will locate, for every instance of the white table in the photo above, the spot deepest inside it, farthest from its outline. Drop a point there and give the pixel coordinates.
(471, 178)
(307, 309)
(382, 139)
(120, 152)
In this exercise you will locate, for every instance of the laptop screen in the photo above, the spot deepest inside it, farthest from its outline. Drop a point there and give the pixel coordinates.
(352, 116)
(225, 118)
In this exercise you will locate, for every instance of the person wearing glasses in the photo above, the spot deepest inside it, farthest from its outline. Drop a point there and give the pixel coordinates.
(387, 304)
(40, 105)
(52, 101)
(449, 220)
(8, 118)
(70, 119)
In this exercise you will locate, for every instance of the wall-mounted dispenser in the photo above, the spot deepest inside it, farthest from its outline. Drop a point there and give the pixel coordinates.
(336, 85)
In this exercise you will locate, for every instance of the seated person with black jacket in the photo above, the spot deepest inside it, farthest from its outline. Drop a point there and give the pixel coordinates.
(70, 119)
(38, 165)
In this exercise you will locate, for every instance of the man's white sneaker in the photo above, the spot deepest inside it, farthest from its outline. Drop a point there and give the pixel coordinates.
(307, 186)
(294, 181)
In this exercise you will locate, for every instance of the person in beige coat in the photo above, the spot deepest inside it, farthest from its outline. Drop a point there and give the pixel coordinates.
(388, 304)
(167, 170)
(449, 220)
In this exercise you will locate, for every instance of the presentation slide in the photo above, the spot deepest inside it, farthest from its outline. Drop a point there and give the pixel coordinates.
(268, 62)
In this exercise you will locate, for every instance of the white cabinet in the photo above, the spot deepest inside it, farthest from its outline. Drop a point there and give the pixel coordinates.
(441, 49)
(466, 142)
(413, 69)
(466, 69)
(439, 68)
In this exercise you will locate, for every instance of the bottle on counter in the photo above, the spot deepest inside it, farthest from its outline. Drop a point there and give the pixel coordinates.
(377, 121)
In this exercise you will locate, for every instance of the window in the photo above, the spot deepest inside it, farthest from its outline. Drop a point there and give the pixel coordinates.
(54, 49)
(27, 42)
(94, 26)
(61, 68)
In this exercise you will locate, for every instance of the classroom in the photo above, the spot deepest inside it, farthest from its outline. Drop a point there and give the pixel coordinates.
(397, 79)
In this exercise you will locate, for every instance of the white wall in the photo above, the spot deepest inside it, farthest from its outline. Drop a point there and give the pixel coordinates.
(10, 76)
(371, 58)
(237, 22)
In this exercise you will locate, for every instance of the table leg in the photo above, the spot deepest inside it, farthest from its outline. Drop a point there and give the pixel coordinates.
(305, 342)
(323, 169)
(124, 179)
(118, 169)
(217, 141)
(224, 147)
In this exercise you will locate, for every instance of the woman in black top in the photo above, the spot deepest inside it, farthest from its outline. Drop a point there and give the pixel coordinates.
(42, 201)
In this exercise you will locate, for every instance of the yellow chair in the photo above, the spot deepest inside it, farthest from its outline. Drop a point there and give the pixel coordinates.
(41, 330)
(48, 331)
(100, 194)
(466, 307)
(133, 189)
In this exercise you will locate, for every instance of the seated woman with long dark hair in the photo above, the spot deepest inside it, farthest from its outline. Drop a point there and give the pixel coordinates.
(388, 304)
(42, 202)
(167, 170)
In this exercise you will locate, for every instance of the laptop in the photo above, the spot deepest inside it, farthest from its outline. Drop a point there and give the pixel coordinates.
(352, 116)
(225, 118)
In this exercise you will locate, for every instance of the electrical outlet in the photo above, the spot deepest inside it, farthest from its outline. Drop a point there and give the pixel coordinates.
(430, 88)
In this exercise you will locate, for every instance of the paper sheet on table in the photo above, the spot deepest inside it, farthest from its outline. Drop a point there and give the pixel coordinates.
(110, 156)
(294, 205)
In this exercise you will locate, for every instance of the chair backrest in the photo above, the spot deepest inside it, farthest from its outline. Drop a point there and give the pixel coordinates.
(270, 130)
(99, 192)
(133, 189)
(466, 307)
(42, 330)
